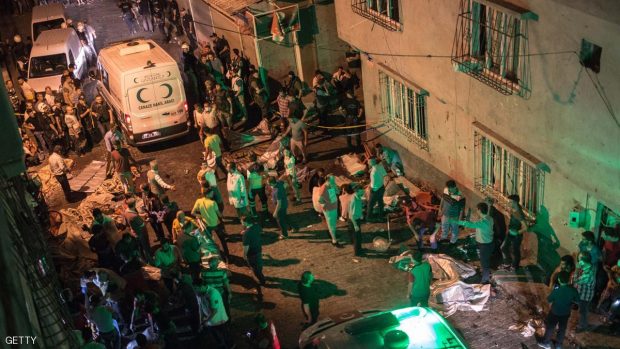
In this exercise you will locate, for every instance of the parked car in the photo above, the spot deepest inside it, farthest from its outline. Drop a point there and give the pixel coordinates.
(406, 328)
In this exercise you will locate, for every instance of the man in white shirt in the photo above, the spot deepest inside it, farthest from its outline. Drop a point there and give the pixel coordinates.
(375, 197)
(237, 193)
(484, 238)
(59, 169)
(75, 129)
(156, 183)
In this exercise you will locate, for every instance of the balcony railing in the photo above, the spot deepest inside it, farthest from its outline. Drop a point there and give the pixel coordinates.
(363, 8)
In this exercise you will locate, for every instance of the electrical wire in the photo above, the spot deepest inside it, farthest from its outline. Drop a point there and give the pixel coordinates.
(409, 55)
(600, 91)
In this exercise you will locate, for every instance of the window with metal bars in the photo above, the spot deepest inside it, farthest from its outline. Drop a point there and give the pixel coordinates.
(490, 44)
(386, 13)
(404, 108)
(500, 172)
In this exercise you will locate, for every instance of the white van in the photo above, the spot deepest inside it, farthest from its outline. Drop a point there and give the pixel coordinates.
(52, 52)
(46, 17)
(143, 85)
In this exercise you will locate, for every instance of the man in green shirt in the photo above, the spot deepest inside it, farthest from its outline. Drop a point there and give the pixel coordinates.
(561, 298)
(167, 258)
(420, 278)
(484, 238)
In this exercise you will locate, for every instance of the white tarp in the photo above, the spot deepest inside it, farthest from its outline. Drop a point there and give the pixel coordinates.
(447, 289)
(353, 165)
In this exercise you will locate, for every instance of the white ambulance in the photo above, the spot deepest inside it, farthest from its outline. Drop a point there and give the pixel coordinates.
(52, 52)
(143, 86)
(46, 17)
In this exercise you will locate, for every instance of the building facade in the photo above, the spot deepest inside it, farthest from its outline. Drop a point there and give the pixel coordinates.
(505, 97)
(248, 26)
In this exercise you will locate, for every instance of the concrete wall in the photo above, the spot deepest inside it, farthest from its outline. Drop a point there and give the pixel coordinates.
(564, 123)
(330, 49)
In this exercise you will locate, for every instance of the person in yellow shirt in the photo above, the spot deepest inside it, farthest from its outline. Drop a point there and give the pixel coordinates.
(207, 210)
(213, 143)
(180, 224)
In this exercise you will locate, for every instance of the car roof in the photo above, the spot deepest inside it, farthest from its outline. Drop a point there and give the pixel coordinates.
(424, 328)
(47, 12)
(117, 55)
(51, 42)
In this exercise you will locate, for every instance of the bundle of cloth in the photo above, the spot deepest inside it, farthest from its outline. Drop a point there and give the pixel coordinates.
(448, 290)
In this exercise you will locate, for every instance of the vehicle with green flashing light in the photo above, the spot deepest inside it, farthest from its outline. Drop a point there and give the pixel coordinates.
(143, 85)
(405, 328)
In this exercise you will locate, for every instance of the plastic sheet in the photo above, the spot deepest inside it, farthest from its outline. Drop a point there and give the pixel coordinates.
(447, 289)
(353, 165)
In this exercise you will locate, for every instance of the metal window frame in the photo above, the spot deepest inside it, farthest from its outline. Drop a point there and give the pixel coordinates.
(504, 64)
(363, 8)
(402, 104)
(501, 169)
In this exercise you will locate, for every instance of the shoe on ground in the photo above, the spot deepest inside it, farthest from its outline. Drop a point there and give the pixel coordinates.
(282, 237)
(337, 244)
(544, 345)
(341, 219)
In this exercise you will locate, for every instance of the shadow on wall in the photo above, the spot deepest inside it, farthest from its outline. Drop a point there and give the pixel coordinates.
(548, 243)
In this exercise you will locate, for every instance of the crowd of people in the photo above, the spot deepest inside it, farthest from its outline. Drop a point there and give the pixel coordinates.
(127, 297)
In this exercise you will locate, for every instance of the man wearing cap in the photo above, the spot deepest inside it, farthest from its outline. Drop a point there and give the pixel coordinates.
(156, 183)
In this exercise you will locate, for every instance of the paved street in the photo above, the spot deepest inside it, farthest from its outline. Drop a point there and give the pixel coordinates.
(346, 283)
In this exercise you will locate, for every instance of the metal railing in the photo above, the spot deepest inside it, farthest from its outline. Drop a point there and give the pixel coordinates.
(382, 18)
(491, 46)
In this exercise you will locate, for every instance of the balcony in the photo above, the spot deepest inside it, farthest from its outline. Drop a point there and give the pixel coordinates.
(382, 12)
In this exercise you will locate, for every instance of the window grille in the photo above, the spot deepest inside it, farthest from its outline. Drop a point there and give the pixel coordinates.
(490, 44)
(501, 172)
(385, 13)
(404, 108)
